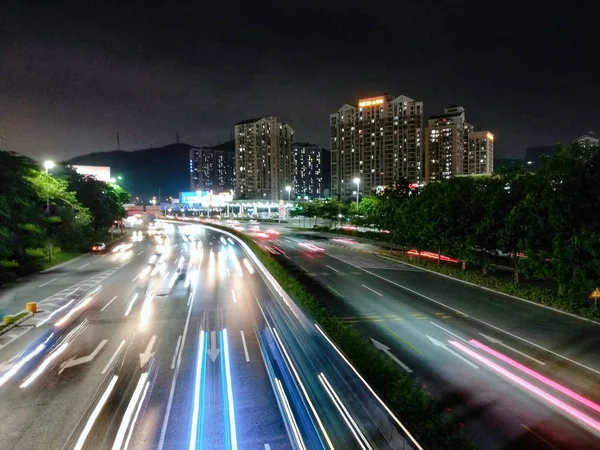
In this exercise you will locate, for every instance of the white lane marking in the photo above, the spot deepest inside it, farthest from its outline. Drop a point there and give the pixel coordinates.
(108, 304)
(450, 333)
(245, 347)
(385, 349)
(140, 253)
(452, 352)
(287, 258)
(95, 413)
(84, 359)
(233, 295)
(85, 265)
(113, 357)
(494, 291)
(148, 354)
(332, 268)
(499, 342)
(368, 386)
(176, 352)
(47, 282)
(475, 318)
(335, 292)
(302, 267)
(372, 290)
(163, 431)
(189, 299)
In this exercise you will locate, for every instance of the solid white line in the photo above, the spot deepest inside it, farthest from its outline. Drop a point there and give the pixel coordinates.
(372, 290)
(233, 295)
(450, 333)
(479, 320)
(332, 268)
(47, 282)
(287, 258)
(499, 342)
(110, 361)
(189, 298)
(85, 265)
(176, 352)
(95, 413)
(303, 268)
(108, 304)
(335, 292)
(494, 291)
(163, 430)
(245, 347)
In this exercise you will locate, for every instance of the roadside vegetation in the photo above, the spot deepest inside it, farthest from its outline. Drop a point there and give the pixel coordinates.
(543, 225)
(414, 407)
(46, 216)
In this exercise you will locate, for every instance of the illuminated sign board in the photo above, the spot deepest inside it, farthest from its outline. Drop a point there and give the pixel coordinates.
(490, 136)
(366, 102)
(206, 198)
(101, 173)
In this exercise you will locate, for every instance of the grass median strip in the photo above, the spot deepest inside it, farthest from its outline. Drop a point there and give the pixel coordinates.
(416, 409)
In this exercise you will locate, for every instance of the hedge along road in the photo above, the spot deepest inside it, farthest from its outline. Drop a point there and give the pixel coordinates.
(413, 314)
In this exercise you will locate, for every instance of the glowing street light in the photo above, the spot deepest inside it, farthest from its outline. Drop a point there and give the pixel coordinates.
(357, 182)
(289, 191)
(48, 165)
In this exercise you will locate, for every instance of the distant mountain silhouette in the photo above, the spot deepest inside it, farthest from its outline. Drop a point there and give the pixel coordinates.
(145, 171)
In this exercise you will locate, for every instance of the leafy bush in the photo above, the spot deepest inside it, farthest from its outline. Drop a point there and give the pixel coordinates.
(35, 253)
(417, 410)
(8, 264)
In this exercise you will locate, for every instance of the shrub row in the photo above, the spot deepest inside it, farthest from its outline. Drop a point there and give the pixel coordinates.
(415, 408)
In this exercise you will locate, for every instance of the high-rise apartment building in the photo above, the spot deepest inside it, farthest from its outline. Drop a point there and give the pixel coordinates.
(452, 147)
(213, 168)
(479, 157)
(377, 141)
(263, 158)
(310, 170)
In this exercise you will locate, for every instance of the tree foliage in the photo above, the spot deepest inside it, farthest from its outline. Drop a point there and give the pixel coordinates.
(547, 223)
(80, 209)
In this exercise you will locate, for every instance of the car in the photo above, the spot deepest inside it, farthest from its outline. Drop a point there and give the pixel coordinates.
(99, 247)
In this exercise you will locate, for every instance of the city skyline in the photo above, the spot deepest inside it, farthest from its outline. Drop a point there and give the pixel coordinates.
(72, 77)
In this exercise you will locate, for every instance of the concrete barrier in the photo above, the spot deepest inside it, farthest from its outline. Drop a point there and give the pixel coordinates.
(7, 320)
(31, 307)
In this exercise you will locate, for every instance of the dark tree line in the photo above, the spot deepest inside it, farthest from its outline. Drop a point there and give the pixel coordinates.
(81, 209)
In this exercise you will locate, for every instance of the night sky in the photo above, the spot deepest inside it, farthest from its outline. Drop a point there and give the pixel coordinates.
(73, 74)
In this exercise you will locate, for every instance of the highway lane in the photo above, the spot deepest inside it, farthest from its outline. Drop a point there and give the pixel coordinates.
(416, 332)
(319, 384)
(126, 361)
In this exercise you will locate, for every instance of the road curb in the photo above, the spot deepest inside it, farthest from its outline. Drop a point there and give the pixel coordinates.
(488, 289)
(17, 323)
(59, 265)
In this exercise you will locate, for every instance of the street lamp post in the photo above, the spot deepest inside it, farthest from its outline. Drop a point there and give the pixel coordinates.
(48, 165)
(357, 182)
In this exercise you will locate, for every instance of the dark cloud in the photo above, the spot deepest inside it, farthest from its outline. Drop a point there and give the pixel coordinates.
(72, 75)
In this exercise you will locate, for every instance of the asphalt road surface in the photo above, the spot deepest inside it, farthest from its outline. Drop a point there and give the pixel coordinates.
(178, 342)
(514, 374)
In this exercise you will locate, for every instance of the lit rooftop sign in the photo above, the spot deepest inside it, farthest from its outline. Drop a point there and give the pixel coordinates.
(366, 102)
(490, 136)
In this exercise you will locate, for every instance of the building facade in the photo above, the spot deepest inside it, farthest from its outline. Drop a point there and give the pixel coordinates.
(479, 158)
(377, 141)
(309, 170)
(453, 147)
(213, 168)
(263, 158)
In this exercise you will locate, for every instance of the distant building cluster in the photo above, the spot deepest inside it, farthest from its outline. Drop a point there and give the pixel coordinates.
(213, 168)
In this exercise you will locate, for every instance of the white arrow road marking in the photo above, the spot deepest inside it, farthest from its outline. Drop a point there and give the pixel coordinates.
(499, 342)
(214, 351)
(449, 350)
(84, 359)
(145, 357)
(385, 349)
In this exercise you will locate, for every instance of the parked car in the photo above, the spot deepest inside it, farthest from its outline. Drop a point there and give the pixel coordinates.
(98, 247)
